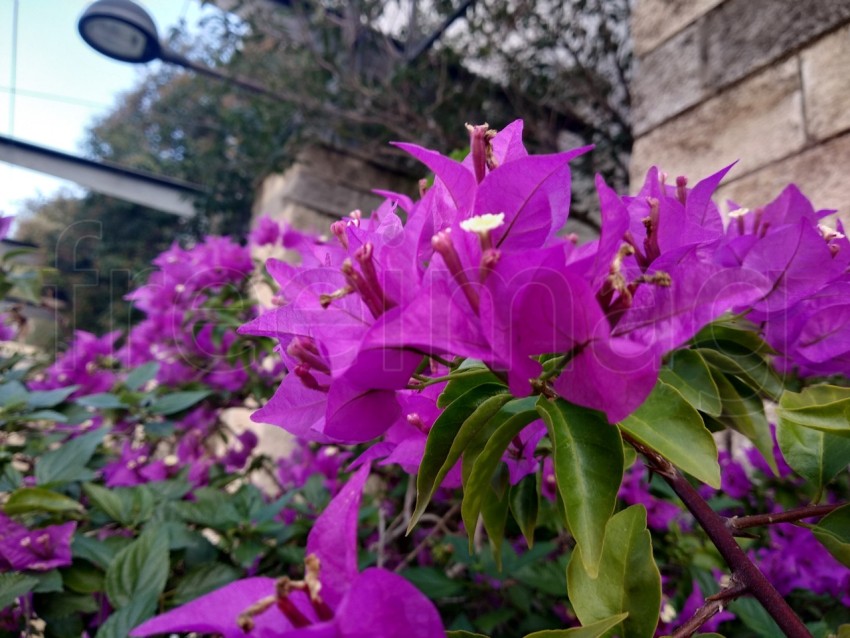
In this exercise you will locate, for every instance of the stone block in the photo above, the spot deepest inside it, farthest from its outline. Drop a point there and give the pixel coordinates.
(667, 80)
(756, 122)
(826, 84)
(820, 172)
(745, 35)
(654, 21)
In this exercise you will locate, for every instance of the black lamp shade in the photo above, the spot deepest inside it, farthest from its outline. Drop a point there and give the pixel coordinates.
(120, 29)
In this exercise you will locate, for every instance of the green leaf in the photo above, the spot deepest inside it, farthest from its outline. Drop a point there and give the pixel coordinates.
(141, 375)
(743, 411)
(83, 577)
(512, 418)
(470, 374)
(13, 393)
(448, 436)
(672, 427)
(67, 462)
(833, 532)
(755, 617)
(49, 398)
(178, 401)
(494, 512)
(97, 552)
(460, 633)
(202, 580)
(750, 367)
(45, 415)
(139, 571)
(588, 459)
(524, 503)
(628, 580)
(594, 630)
(815, 455)
(14, 585)
(688, 372)
(102, 401)
(119, 624)
(129, 506)
(822, 407)
(432, 582)
(37, 500)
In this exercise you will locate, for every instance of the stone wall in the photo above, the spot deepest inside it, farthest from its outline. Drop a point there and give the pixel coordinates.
(763, 82)
(325, 184)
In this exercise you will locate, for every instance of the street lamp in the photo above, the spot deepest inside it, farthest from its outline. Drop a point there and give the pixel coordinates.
(124, 31)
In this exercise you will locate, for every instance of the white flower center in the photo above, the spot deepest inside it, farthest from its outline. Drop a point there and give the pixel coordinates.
(483, 223)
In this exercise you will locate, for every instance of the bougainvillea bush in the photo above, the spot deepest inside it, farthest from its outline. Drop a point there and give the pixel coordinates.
(497, 430)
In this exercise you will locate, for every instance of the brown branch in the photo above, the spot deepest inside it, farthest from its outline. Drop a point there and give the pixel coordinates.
(712, 606)
(714, 525)
(789, 516)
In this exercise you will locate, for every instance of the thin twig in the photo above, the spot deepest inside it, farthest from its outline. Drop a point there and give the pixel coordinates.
(789, 516)
(712, 606)
(441, 525)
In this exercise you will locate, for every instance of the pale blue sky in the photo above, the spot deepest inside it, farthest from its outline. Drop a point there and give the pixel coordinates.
(61, 83)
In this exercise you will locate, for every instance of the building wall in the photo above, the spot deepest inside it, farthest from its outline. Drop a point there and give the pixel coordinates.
(765, 83)
(325, 184)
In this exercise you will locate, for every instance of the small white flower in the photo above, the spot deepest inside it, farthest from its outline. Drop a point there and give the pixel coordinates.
(483, 223)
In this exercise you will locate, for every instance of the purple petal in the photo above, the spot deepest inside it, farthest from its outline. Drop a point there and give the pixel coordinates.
(333, 539)
(458, 180)
(381, 604)
(534, 194)
(216, 613)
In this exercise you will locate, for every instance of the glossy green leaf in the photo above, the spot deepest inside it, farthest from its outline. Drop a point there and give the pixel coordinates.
(455, 427)
(139, 571)
(750, 367)
(743, 411)
(822, 407)
(460, 633)
(524, 504)
(67, 462)
(628, 580)
(494, 513)
(815, 455)
(13, 585)
(28, 500)
(688, 372)
(513, 417)
(470, 374)
(593, 630)
(736, 332)
(588, 460)
(672, 427)
(833, 532)
(477, 443)
(138, 377)
(177, 402)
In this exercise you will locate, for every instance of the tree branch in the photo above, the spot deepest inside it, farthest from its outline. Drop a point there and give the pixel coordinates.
(790, 516)
(714, 525)
(712, 606)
